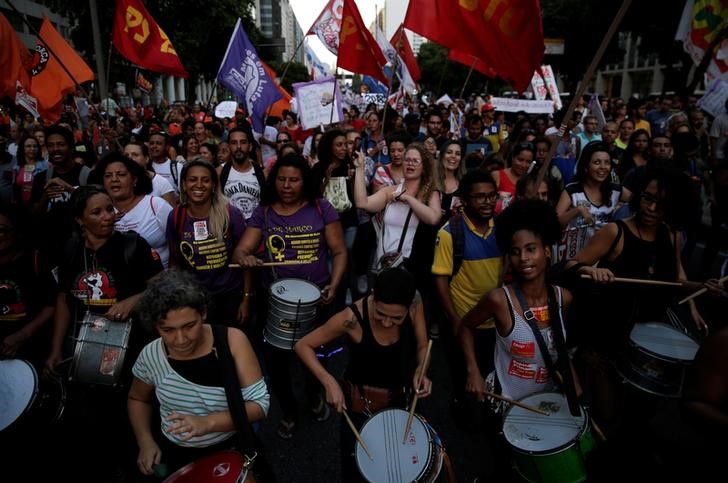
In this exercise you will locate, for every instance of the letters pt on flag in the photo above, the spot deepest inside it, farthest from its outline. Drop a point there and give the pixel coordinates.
(141, 40)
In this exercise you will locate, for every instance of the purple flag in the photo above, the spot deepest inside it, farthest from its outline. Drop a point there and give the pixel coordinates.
(242, 72)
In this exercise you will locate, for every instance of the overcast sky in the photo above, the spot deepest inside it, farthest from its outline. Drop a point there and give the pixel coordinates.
(307, 11)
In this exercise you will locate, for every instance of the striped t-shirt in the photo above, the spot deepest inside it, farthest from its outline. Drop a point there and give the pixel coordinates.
(176, 394)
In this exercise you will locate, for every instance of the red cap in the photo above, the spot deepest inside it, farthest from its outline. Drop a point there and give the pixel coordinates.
(487, 107)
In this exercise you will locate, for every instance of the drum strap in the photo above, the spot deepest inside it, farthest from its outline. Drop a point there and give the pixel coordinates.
(246, 439)
(567, 384)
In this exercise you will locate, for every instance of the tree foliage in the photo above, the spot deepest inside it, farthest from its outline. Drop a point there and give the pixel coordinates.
(199, 31)
(440, 75)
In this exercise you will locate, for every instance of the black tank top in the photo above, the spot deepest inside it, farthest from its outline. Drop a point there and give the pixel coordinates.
(373, 364)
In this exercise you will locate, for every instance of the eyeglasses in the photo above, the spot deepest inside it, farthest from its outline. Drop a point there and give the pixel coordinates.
(650, 199)
(491, 197)
(429, 142)
(413, 161)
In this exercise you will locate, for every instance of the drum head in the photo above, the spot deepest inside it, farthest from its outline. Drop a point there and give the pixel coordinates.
(18, 388)
(294, 289)
(383, 434)
(664, 340)
(221, 467)
(534, 433)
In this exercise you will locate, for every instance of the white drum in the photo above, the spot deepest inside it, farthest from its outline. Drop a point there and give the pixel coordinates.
(656, 358)
(18, 389)
(100, 350)
(292, 311)
(419, 459)
(548, 448)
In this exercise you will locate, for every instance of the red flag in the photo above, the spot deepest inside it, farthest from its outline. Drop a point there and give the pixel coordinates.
(358, 51)
(401, 44)
(468, 59)
(49, 81)
(507, 35)
(138, 38)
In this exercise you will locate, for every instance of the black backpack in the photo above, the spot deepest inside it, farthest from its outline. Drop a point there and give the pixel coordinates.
(257, 169)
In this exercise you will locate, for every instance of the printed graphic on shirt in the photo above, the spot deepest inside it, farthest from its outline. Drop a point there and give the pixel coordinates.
(204, 254)
(522, 370)
(524, 350)
(542, 375)
(301, 241)
(95, 287)
(243, 196)
(11, 303)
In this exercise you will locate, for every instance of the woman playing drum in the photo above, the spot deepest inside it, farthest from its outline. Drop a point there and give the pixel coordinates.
(102, 276)
(296, 225)
(388, 341)
(643, 247)
(183, 369)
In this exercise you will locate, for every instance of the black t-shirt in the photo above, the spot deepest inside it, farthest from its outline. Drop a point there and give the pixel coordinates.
(26, 287)
(56, 225)
(98, 279)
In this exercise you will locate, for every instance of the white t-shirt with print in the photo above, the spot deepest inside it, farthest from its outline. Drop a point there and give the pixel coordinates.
(149, 219)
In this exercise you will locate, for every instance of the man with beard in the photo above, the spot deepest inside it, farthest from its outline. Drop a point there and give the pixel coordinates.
(242, 180)
(52, 190)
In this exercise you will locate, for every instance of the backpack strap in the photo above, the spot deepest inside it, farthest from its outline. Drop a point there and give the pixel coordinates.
(457, 232)
(83, 175)
(173, 169)
(225, 174)
(180, 212)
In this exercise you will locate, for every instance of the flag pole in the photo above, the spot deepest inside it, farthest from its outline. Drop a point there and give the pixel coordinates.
(333, 102)
(391, 79)
(37, 33)
(108, 75)
(467, 79)
(212, 91)
(285, 69)
(581, 89)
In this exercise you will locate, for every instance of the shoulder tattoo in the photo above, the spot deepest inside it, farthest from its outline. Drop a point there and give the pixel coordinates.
(349, 324)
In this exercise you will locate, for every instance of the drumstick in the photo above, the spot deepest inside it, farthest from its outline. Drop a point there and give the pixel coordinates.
(65, 361)
(598, 430)
(701, 291)
(639, 281)
(275, 264)
(417, 389)
(357, 435)
(517, 403)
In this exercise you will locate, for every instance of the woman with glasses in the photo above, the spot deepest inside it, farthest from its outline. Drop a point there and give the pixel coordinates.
(392, 173)
(400, 208)
(30, 163)
(644, 246)
(522, 156)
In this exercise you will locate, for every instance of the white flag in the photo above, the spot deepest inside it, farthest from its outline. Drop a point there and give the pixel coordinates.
(328, 25)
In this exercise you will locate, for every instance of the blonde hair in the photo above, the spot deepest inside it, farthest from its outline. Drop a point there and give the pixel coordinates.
(219, 213)
(429, 181)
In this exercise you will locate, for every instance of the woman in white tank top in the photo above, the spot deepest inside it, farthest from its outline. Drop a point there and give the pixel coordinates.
(525, 232)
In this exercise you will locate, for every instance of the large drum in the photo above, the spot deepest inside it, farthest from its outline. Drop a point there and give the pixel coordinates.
(419, 459)
(548, 449)
(656, 359)
(24, 399)
(100, 351)
(293, 305)
(221, 467)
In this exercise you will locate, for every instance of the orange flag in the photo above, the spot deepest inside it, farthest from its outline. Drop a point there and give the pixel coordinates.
(141, 40)
(358, 51)
(277, 108)
(49, 82)
(14, 56)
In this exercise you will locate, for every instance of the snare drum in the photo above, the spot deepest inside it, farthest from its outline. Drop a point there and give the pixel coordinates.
(100, 350)
(548, 448)
(221, 467)
(292, 311)
(23, 398)
(656, 359)
(419, 459)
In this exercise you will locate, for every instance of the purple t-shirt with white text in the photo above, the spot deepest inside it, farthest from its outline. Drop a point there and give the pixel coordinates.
(203, 254)
(300, 237)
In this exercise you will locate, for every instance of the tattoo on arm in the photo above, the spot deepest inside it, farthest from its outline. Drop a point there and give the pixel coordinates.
(416, 301)
(349, 324)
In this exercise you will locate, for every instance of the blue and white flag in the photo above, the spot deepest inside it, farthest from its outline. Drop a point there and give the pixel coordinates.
(375, 87)
(316, 68)
(242, 72)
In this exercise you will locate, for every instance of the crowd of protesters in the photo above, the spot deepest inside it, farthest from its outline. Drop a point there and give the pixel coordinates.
(433, 221)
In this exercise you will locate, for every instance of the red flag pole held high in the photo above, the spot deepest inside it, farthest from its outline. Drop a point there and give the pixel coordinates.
(358, 51)
(139, 38)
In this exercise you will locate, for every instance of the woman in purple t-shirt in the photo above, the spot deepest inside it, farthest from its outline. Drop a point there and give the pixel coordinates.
(202, 233)
(295, 224)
